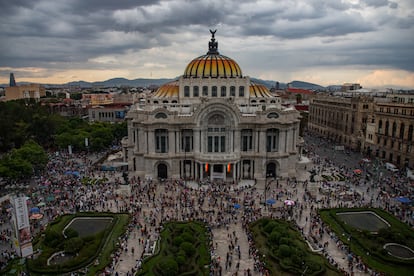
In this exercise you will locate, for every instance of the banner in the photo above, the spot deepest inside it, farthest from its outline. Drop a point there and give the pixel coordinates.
(23, 237)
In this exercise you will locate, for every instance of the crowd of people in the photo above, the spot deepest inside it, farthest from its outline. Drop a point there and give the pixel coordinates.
(65, 187)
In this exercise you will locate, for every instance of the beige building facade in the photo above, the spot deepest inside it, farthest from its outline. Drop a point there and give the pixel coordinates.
(30, 91)
(212, 124)
(379, 127)
(342, 120)
(390, 132)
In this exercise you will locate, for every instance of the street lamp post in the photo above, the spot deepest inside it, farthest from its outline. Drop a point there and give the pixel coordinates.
(267, 184)
(185, 161)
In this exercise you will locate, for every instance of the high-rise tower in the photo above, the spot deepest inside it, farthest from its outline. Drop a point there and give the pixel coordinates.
(12, 80)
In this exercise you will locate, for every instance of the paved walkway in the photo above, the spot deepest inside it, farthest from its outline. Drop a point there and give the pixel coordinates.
(153, 203)
(229, 238)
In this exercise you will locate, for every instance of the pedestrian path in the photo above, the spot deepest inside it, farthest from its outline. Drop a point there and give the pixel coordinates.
(228, 242)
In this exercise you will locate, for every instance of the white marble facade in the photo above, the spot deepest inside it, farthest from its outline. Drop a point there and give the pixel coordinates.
(212, 123)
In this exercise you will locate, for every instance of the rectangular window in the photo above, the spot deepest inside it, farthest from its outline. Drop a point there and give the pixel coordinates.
(161, 140)
(222, 144)
(272, 140)
(216, 143)
(210, 144)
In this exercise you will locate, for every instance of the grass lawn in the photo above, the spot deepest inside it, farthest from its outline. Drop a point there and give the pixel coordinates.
(285, 252)
(369, 244)
(85, 250)
(183, 250)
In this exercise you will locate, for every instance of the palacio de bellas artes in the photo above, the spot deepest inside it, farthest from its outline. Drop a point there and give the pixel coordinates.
(212, 124)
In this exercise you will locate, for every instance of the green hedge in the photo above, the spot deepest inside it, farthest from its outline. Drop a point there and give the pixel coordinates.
(93, 246)
(369, 246)
(184, 244)
(285, 250)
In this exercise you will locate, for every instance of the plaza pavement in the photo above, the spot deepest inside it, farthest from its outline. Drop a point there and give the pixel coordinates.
(222, 237)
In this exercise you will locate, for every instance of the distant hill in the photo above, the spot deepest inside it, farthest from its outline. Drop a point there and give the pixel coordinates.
(269, 83)
(141, 82)
(117, 82)
(306, 85)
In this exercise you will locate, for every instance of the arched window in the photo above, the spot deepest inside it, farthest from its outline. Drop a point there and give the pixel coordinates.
(205, 91)
(195, 91)
(394, 129)
(410, 133)
(186, 91)
(387, 126)
(216, 134)
(402, 129)
(223, 91)
(380, 126)
(232, 91)
(273, 115)
(161, 115)
(241, 91)
(214, 91)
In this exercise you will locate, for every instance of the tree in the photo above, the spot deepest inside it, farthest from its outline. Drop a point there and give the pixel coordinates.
(168, 267)
(188, 248)
(73, 245)
(33, 153)
(23, 162)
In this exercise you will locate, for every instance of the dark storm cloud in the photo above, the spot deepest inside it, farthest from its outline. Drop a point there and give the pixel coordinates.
(64, 33)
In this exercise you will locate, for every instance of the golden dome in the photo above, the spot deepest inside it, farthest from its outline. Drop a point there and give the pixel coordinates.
(212, 64)
(167, 90)
(259, 91)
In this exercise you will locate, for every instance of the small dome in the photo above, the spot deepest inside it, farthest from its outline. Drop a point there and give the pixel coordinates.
(167, 90)
(212, 64)
(259, 91)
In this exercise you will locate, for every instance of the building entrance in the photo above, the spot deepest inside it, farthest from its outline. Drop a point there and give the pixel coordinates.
(162, 171)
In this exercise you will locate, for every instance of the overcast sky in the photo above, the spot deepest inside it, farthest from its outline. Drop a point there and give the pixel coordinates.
(370, 42)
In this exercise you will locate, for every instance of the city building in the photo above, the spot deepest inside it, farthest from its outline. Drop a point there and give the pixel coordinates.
(350, 87)
(29, 91)
(340, 119)
(379, 127)
(390, 130)
(113, 113)
(212, 123)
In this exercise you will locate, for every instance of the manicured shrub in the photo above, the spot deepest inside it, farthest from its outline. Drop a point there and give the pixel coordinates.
(70, 233)
(285, 240)
(177, 241)
(73, 245)
(188, 237)
(188, 248)
(53, 238)
(269, 227)
(168, 267)
(274, 237)
(181, 260)
(284, 250)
